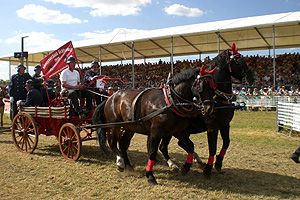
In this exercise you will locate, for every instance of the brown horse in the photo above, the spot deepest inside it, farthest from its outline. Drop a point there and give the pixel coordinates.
(229, 64)
(158, 113)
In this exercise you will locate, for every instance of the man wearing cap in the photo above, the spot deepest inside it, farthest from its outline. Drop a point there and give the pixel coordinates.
(70, 82)
(34, 96)
(89, 76)
(37, 78)
(17, 89)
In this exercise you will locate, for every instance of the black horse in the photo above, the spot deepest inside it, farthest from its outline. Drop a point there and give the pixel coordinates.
(156, 112)
(229, 64)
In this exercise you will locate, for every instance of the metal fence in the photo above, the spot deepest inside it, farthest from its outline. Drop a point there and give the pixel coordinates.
(288, 116)
(264, 102)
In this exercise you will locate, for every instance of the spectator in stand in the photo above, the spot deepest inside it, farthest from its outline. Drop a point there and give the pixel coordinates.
(272, 91)
(284, 91)
(292, 92)
(280, 92)
(248, 93)
(297, 91)
(255, 92)
(264, 91)
(235, 91)
(243, 91)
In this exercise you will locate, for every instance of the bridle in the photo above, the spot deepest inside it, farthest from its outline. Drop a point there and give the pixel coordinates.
(178, 102)
(237, 58)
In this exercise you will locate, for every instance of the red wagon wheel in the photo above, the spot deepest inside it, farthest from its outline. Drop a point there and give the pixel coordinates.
(24, 133)
(69, 142)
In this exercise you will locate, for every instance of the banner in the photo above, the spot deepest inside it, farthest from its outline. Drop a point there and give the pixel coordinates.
(56, 62)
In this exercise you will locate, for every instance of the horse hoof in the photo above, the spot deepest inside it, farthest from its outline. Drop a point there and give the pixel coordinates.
(201, 165)
(129, 168)
(207, 176)
(218, 168)
(120, 169)
(207, 171)
(185, 168)
(174, 168)
(152, 181)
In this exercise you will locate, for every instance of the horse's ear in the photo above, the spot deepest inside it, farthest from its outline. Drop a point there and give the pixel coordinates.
(212, 71)
(202, 70)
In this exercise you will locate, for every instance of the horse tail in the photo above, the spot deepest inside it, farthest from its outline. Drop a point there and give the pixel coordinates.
(99, 118)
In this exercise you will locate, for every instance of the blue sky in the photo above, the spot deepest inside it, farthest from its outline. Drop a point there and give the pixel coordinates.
(51, 23)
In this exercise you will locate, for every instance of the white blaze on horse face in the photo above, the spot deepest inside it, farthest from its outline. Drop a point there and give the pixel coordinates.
(120, 162)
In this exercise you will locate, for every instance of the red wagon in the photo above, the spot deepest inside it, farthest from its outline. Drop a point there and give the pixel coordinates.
(57, 120)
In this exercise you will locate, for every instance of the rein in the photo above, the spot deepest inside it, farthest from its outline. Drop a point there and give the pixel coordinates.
(178, 108)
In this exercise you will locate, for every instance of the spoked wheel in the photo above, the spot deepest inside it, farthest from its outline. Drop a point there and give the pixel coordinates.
(24, 133)
(69, 142)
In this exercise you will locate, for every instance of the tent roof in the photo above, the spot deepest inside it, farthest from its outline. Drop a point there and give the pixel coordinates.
(250, 33)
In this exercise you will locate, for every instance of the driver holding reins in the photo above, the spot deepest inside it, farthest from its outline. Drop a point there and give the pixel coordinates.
(91, 75)
(70, 82)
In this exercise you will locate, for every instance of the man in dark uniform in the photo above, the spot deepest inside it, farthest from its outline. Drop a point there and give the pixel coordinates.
(34, 97)
(17, 90)
(89, 76)
(37, 78)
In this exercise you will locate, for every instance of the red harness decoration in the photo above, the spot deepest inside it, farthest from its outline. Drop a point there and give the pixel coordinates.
(169, 103)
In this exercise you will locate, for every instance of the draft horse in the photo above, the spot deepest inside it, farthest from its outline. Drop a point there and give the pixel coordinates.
(157, 113)
(229, 64)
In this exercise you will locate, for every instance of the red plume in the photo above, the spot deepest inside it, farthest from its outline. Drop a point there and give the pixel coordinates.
(234, 49)
(202, 70)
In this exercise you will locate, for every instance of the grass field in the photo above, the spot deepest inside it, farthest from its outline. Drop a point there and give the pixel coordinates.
(256, 166)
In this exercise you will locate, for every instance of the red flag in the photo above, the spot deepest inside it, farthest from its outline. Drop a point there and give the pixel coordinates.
(56, 62)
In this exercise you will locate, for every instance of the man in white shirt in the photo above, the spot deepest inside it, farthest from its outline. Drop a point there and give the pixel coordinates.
(70, 82)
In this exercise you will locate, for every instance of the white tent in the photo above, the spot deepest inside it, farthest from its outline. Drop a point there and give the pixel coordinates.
(250, 33)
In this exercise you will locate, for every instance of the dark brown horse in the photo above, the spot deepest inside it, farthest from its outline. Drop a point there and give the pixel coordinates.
(158, 113)
(229, 64)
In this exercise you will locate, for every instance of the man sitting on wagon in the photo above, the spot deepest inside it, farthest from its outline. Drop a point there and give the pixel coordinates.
(89, 76)
(70, 82)
(34, 96)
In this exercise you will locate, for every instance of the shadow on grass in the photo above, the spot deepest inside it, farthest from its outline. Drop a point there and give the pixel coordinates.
(233, 180)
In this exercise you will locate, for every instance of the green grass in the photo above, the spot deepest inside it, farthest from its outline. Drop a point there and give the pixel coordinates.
(256, 166)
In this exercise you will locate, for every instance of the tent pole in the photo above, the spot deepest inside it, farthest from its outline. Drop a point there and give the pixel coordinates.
(9, 62)
(218, 42)
(100, 61)
(132, 51)
(172, 72)
(274, 75)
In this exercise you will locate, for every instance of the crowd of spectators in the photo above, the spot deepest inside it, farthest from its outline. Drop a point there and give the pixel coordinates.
(155, 74)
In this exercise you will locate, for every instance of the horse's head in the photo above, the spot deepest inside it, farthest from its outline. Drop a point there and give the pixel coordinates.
(238, 67)
(203, 89)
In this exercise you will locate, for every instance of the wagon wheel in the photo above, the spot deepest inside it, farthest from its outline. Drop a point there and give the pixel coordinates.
(69, 142)
(24, 133)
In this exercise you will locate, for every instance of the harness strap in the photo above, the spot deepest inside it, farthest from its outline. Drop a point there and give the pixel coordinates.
(133, 105)
(167, 99)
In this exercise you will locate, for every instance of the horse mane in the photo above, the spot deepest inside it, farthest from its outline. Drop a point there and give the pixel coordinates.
(219, 59)
(186, 75)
